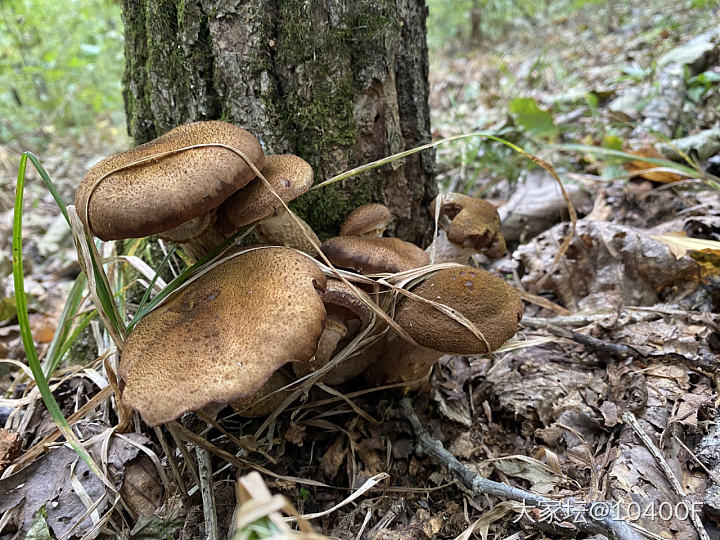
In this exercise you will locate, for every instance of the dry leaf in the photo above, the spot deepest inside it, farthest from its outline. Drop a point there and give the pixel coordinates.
(646, 170)
(606, 265)
(705, 252)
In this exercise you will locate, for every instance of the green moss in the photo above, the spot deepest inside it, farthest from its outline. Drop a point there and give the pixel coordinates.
(325, 63)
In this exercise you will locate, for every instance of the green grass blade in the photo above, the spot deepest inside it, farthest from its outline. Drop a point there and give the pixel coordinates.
(53, 356)
(77, 330)
(400, 155)
(165, 260)
(49, 184)
(182, 278)
(26, 334)
(106, 297)
(683, 169)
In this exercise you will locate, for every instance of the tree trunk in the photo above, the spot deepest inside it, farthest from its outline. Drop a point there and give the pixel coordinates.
(339, 83)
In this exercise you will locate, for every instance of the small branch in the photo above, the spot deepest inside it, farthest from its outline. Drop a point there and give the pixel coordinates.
(582, 519)
(208, 495)
(631, 421)
(620, 349)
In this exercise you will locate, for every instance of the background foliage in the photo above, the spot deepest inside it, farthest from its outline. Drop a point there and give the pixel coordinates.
(61, 65)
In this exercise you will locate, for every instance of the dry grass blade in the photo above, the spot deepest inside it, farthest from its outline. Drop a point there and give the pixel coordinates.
(367, 486)
(82, 240)
(257, 504)
(41, 446)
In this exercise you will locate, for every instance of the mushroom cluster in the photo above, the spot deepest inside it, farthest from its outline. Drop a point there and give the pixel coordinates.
(252, 323)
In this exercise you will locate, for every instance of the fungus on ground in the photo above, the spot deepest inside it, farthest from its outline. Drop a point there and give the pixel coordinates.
(467, 225)
(368, 220)
(290, 176)
(347, 316)
(374, 255)
(176, 180)
(222, 336)
(487, 301)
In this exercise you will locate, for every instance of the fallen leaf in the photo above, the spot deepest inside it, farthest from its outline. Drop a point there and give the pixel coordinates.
(705, 252)
(606, 265)
(648, 170)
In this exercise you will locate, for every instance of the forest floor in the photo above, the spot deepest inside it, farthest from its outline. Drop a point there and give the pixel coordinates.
(609, 391)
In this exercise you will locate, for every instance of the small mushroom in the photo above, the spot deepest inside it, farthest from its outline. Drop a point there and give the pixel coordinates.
(222, 336)
(347, 316)
(368, 220)
(487, 301)
(174, 179)
(290, 176)
(467, 226)
(374, 255)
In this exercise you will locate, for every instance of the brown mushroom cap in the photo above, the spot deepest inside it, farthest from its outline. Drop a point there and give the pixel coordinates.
(367, 220)
(374, 255)
(486, 300)
(290, 176)
(224, 335)
(127, 199)
(470, 223)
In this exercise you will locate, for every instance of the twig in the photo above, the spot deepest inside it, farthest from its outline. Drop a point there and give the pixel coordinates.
(208, 494)
(620, 349)
(609, 526)
(630, 420)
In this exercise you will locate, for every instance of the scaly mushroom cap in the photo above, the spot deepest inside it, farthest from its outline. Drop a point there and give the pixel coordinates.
(487, 301)
(374, 255)
(135, 194)
(367, 220)
(290, 176)
(224, 335)
(470, 223)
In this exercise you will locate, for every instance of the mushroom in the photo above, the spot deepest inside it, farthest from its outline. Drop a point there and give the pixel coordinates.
(374, 255)
(467, 226)
(347, 316)
(222, 336)
(487, 301)
(368, 220)
(179, 177)
(290, 176)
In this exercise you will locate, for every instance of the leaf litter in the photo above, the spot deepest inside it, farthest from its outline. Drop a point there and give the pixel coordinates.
(547, 417)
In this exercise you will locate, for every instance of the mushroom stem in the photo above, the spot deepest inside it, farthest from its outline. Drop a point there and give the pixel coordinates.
(335, 330)
(402, 362)
(442, 250)
(287, 230)
(197, 237)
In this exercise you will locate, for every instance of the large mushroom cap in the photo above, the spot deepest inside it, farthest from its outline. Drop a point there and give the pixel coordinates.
(160, 184)
(374, 255)
(290, 176)
(366, 220)
(224, 335)
(470, 223)
(487, 301)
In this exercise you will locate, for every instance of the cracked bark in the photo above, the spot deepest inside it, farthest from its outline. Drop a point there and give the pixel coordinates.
(338, 83)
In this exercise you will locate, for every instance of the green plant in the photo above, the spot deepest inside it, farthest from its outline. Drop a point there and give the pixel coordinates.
(61, 65)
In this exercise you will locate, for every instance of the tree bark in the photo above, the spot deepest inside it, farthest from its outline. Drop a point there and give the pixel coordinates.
(339, 83)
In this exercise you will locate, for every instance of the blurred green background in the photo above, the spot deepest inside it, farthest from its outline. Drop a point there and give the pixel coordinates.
(61, 63)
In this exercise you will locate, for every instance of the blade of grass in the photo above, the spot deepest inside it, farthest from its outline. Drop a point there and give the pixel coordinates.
(26, 334)
(165, 260)
(105, 296)
(400, 155)
(690, 172)
(49, 184)
(182, 278)
(53, 356)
